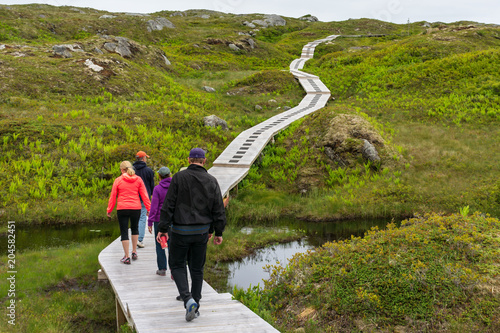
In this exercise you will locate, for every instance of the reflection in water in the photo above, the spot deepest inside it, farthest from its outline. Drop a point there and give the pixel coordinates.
(250, 271)
(38, 237)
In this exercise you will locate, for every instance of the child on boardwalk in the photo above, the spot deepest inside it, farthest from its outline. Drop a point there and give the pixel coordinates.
(159, 193)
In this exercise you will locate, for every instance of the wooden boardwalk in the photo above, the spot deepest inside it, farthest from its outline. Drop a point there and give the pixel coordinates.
(235, 161)
(146, 300)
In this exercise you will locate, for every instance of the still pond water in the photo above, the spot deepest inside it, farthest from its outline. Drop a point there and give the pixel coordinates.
(243, 274)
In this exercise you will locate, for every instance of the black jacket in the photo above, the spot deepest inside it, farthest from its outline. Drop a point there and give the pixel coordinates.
(193, 203)
(147, 175)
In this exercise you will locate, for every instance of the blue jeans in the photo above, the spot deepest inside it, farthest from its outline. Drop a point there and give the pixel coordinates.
(192, 248)
(161, 257)
(142, 221)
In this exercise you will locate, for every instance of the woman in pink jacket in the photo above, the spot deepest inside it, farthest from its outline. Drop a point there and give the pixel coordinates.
(126, 191)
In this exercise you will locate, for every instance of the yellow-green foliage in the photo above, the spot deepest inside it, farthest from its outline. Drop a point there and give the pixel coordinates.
(433, 273)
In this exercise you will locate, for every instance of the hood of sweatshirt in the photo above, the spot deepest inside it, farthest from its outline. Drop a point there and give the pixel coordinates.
(165, 183)
(139, 165)
(129, 179)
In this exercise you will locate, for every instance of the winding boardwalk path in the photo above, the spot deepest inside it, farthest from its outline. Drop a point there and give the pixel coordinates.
(235, 161)
(146, 300)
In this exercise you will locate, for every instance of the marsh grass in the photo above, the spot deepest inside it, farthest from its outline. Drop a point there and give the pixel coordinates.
(433, 273)
(57, 290)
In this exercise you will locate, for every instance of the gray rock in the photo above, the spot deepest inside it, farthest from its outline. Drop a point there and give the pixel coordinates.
(77, 10)
(270, 20)
(251, 42)
(62, 51)
(107, 16)
(167, 62)
(205, 16)
(258, 107)
(370, 152)
(249, 24)
(2, 46)
(178, 14)
(137, 14)
(261, 23)
(275, 20)
(122, 47)
(159, 23)
(234, 47)
(98, 50)
(427, 25)
(65, 50)
(214, 121)
(286, 108)
(208, 89)
(334, 157)
(309, 18)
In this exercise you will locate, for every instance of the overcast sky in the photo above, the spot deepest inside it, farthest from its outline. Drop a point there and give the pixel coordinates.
(396, 11)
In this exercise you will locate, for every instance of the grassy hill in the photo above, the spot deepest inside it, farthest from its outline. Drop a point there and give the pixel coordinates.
(431, 92)
(426, 96)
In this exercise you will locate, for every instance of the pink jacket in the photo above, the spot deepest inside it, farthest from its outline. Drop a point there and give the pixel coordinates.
(128, 189)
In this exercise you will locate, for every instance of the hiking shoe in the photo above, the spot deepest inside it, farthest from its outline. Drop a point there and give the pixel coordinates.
(125, 260)
(140, 245)
(161, 272)
(179, 298)
(134, 256)
(191, 308)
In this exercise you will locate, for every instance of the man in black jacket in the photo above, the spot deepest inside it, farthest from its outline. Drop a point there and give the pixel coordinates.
(148, 177)
(192, 210)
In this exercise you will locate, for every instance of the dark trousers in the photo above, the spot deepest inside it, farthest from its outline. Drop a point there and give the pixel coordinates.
(161, 257)
(124, 215)
(193, 249)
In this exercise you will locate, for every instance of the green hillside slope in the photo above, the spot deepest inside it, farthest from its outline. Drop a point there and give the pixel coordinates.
(430, 93)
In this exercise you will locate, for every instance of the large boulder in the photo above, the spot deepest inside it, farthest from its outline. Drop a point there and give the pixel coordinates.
(120, 45)
(158, 24)
(309, 18)
(214, 121)
(274, 20)
(65, 50)
(270, 20)
(351, 136)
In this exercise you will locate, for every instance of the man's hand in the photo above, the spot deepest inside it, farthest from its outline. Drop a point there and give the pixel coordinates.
(150, 228)
(218, 240)
(159, 235)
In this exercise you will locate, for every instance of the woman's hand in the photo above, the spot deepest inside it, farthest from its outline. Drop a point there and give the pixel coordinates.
(150, 228)
(109, 215)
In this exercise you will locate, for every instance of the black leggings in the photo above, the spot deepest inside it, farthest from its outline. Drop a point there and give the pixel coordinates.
(123, 216)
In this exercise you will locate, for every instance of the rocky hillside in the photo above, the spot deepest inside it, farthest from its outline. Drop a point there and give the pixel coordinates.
(83, 89)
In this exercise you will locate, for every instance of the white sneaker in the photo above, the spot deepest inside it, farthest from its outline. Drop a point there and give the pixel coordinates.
(140, 244)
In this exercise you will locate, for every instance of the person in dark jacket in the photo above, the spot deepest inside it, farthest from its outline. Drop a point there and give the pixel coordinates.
(148, 177)
(159, 193)
(193, 206)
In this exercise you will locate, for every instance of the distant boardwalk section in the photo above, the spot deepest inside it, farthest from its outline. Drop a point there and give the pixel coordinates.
(235, 161)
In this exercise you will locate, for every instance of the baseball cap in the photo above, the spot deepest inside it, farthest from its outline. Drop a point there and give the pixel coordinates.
(141, 154)
(197, 153)
(164, 171)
